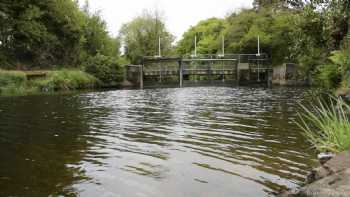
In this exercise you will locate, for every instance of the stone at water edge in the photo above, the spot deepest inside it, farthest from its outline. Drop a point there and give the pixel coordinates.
(324, 157)
(338, 163)
(335, 185)
(332, 179)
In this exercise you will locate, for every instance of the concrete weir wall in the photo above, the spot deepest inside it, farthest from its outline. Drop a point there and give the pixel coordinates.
(287, 74)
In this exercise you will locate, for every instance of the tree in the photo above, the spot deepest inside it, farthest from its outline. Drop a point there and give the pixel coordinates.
(208, 33)
(97, 39)
(140, 37)
(51, 33)
(42, 32)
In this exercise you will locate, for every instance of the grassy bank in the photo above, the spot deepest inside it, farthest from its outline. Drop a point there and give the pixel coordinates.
(327, 125)
(18, 82)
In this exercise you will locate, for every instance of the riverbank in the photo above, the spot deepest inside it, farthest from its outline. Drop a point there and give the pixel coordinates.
(332, 178)
(31, 82)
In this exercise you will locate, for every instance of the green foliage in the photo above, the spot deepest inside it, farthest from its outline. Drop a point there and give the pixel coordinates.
(335, 74)
(12, 78)
(327, 125)
(43, 34)
(241, 31)
(16, 82)
(67, 80)
(105, 69)
(329, 76)
(208, 34)
(140, 37)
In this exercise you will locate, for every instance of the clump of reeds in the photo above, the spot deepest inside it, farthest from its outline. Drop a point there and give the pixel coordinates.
(326, 124)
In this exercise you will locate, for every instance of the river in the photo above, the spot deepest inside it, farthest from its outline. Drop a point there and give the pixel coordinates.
(188, 142)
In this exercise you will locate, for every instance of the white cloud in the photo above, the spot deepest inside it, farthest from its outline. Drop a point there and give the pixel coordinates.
(179, 14)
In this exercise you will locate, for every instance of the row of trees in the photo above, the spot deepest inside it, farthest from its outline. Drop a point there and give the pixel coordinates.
(51, 34)
(48, 33)
(314, 34)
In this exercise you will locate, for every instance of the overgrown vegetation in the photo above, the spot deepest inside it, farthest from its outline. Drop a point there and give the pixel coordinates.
(313, 34)
(16, 82)
(104, 68)
(54, 35)
(327, 125)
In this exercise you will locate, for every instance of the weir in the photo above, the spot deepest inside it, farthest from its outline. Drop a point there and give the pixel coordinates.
(230, 69)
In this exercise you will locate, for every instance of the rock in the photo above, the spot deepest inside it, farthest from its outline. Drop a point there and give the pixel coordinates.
(339, 162)
(324, 157)
(335, 185)
(126, 83)
(332, 179)
(343, 93)
(290, 193)
(316, 174)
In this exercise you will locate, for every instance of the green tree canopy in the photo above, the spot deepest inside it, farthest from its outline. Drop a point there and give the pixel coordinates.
(46, 33)
(140, 37)
(208, 34)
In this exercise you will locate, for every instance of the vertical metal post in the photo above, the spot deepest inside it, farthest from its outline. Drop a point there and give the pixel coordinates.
(209, 71)
(159, 48)
(160, 73)
(258, 46)
(269, 78)
(258, 71)
(223, 46)
(237, 69)
(195, 46)
(141, 76)
(195, 72)
(180, 74)
(223, 72)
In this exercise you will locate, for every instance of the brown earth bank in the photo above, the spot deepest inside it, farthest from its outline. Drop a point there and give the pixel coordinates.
(330, 179)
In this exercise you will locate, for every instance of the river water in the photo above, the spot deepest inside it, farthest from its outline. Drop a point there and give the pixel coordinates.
(189, 142)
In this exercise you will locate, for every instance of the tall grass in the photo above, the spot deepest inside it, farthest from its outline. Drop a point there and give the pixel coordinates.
(327, 124)
(66, 80)
(12, 77)
(12, 82)
(16, 82)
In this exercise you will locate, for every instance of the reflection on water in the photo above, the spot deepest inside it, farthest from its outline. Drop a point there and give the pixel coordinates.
(208, 141)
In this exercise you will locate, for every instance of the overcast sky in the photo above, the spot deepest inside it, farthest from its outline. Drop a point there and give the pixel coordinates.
(179, 14)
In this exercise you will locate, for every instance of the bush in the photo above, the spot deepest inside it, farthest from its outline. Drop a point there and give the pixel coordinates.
(105, 69)
(16, 83)
(327, 125)
(12, 78)
(67, 80)
(329, 76)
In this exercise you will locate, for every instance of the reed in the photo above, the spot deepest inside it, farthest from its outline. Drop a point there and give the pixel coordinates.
(326, 124)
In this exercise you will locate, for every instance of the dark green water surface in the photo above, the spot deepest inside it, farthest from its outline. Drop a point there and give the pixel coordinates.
(189, 142)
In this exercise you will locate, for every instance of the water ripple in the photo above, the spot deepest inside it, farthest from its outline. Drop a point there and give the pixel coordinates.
(166, 142)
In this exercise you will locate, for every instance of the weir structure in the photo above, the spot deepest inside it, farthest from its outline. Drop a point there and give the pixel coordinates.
(231, 69)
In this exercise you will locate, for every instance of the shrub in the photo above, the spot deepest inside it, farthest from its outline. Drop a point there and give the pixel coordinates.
(105, 69)
(327, 125)
(68, 80)
(12, 78)
(329, 76)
